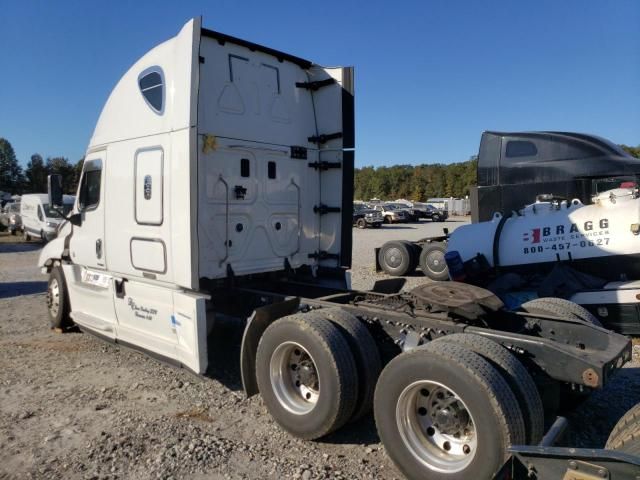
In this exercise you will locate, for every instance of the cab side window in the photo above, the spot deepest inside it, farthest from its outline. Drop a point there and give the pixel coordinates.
(89, 197)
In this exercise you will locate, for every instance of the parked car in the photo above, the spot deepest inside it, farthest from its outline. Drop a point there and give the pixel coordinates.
(39, 220)
(10, 217)
(434, 214)
(364, 217)
(413, 215)
(392, 214)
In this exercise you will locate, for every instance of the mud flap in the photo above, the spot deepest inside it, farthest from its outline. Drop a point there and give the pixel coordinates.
(258, 322)
(190, 323)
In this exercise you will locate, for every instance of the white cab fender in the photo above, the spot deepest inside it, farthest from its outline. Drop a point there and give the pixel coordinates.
(53, 250)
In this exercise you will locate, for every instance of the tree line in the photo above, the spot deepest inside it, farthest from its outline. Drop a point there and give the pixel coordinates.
(33, 179)
(421, 182)
(416, 182)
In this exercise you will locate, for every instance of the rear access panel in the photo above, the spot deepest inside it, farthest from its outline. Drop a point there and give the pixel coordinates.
(270, 166)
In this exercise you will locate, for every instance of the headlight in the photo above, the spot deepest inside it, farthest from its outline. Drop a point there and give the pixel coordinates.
(52, 224)
(369, 214)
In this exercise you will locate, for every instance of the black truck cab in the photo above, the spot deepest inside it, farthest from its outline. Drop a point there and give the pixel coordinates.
(514, 168)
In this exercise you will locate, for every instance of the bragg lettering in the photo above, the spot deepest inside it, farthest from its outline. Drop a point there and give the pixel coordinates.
(536, 234)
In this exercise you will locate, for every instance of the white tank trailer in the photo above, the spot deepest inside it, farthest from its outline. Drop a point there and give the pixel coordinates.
(601, 238)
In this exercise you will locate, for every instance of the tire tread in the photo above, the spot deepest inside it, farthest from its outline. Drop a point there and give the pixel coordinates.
(562, 307)
(515, 374)
(500, 394)
(627, 426)
(335, 345)
(365, 353)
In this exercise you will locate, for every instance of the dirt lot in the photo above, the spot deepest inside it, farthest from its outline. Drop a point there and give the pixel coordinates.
(73, 407)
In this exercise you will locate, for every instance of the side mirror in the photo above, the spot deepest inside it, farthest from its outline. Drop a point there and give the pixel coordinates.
(54, 189)
(76, 219)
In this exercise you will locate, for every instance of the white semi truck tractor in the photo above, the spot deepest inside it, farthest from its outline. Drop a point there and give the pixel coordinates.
(219, 180)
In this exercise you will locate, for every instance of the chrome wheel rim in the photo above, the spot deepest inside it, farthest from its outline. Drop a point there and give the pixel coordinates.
(435, 261)
(294, 378)
(436, 426)
(393, 257)
(53, 297)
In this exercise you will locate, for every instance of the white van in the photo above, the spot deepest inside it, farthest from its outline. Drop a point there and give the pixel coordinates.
(39, 220)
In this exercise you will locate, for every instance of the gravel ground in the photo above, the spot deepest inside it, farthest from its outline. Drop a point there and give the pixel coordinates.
(74, 407)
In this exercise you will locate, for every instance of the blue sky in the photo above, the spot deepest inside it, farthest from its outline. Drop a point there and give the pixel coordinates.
(430, 75)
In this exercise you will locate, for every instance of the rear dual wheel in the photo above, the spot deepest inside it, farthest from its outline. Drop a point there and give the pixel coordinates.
(398, 257)
(516, 375)
(316, 371)
(445, 412)
(432, 261)
(401, 257)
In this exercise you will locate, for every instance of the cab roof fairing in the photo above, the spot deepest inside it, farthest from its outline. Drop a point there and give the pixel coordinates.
(127, 115)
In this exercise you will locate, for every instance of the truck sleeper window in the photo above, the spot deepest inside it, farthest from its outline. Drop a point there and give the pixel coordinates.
(151, 86)
(90, 190)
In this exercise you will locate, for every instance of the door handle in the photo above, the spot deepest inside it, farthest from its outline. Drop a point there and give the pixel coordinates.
(99, 248)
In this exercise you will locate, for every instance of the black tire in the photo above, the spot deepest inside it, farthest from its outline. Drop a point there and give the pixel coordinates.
(365, 353)
(630, 443)
(516, 375)
(25, 236)
(568, 399)
(625, 436)
(58, 305)
(13, 232)
(397, 258)
(387, 219)
(331, 359)
(486, 396)
(414, 251)
(432, 261)
(560, 306)
(361, 223)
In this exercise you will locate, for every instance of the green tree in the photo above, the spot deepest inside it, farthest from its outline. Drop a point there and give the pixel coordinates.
(11, 177)
(61, 166)
(635, 151)
(77, 172)
(416, 182)
(36, 174)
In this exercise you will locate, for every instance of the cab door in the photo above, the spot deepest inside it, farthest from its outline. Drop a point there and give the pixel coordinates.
(90, 287)
(87, 243)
